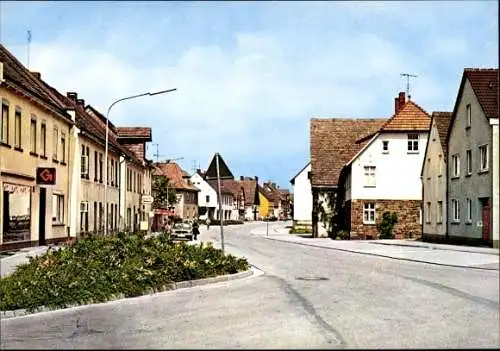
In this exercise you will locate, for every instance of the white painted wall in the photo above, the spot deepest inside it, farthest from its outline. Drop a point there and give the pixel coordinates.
(205, 190)
(302, 197)
(397, 171)
(495, 154)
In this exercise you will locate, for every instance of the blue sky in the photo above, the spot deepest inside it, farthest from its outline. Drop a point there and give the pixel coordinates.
(250, 75)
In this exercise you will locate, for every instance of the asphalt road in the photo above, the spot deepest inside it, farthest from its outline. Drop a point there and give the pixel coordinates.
(306, 298)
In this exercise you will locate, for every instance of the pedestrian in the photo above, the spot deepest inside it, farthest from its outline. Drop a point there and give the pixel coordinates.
(208, 223)
(196, 229)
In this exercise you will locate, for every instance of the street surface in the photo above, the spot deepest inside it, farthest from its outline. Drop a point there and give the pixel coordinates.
(306, 297)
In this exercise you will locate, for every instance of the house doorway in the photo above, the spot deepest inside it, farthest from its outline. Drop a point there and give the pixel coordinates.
(41, 216)
(485, 217)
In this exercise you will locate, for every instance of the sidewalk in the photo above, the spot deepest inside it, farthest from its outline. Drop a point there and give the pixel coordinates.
(8, 264)
(438, 254)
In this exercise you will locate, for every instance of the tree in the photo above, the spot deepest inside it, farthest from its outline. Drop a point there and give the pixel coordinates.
(161, 191)
(385, 227)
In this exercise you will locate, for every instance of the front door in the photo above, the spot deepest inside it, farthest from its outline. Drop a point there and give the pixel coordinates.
(41, 216)
(486, 218)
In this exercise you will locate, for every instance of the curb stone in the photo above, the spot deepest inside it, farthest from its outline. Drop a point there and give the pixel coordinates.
(430, 246)
(385, 256)
(175, 286)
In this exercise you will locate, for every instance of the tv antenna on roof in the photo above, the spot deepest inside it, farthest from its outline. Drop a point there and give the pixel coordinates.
(29, 43)
(408, 75)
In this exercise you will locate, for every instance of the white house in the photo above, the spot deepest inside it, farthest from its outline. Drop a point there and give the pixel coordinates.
(302, 203)
(385, 174)
(207, 197)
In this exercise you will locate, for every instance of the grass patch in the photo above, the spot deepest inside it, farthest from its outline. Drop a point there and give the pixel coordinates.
(300, 230)
(99, 269)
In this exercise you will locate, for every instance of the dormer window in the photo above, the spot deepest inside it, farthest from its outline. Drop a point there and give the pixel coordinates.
(385, 146)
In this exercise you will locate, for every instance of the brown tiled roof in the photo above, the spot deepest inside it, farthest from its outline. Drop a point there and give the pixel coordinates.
(484, 82)
(443, 121)
(224, 189)
(333, 144)
(174, 173)
(25, 82)
(134, 132)
(267, 194)
(411, 117)
(250, 187)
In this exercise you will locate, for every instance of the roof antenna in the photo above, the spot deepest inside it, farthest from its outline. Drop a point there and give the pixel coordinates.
(408, 75)
(29, 43)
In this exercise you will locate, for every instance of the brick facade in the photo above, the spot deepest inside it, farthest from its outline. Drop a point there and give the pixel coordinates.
(408, 212)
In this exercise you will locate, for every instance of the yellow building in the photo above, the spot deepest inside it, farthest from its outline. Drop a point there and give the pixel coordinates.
(266, 205)
(34, 132)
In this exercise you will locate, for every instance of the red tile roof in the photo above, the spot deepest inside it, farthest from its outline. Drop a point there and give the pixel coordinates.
(333, 144)
(174, 173)
(224, 186)
(484, 82)
(411, 117)
(134, 133)
(250, 187)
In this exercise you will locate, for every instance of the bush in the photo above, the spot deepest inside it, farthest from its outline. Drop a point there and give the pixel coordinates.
(343, 235)
(386, 226)
(99, 269)
(300, 230)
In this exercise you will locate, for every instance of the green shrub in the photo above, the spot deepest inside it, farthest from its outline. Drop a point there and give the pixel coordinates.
(300, 230)
(98, 269)
(387, 224)
(343, 235)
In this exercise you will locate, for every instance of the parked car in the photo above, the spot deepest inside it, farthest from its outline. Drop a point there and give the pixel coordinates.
(182, 230)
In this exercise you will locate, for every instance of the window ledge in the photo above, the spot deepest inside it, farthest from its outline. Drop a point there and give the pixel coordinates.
(483, 171)
(440, 175)
(5, 145)
(19, 149)
(43, 157)
(468, 222)
(369, 186)
(55, 161)
(63, 163)
(385, 152)
(440, 222)
(58, 224)
(455, 177)
(468, 174)
(467, 127)
(369, 223)
(33, 154)
(454, 221)
(413, 152)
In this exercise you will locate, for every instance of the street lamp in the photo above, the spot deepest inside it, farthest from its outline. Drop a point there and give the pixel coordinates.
(106, 148)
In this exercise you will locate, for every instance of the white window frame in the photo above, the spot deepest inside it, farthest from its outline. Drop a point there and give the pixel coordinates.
(84, 171)
(369, 215)
(439, 213)
(468, 162)
(455, 165)
(33, 124)
(413, 141)
(55, 143)
(4, 122)
(455, 210)
(57, 208)
(468, 218)
(428, 212)
(18, 127)
(370, 180)
(468, 116)
(385, 146)
(484, 158)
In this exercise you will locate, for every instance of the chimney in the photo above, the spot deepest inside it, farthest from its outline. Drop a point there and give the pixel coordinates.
(80, 102)
(37, 75)
(396, 105)
(72, 95)
(402, 100)
(242, 178)
(257, 179)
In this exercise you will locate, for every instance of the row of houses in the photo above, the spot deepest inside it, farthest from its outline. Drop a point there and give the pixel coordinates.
(41, 128)
(409, 164)
(243, 199)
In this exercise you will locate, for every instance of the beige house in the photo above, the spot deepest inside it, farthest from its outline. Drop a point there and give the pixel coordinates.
(35, 131)
(433, 177)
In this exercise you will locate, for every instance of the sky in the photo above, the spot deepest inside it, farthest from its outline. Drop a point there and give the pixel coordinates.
(250, 75)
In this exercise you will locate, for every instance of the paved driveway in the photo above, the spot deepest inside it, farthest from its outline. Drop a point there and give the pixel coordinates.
(308, 297)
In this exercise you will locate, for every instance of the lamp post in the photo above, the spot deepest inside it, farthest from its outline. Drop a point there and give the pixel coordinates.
(107, 145)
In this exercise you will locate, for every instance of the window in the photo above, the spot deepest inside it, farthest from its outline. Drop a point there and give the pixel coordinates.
(483, 157)
(369, 176)
(468, 161)
(84, 163)
(17, 129)
(96, 164)
(55, 143)
(112, 172)
(440, 212)
(369, 213)
(428, 212)
(468, 116)
(455, 210)
(63, 147)
(455, 164)
(33, 135)
(95, 216)
(4, 123)
(57, 208)
(440, 165)
(43, 139)
(84, 216)
(207, 198)
(117, 172)
(468, 218)
(100, 168)
(385, 146)
(413, 143)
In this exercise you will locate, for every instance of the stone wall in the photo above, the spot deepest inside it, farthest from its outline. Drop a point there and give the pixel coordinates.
(408, 212)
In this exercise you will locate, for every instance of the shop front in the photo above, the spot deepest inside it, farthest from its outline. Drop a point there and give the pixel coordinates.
(17, 213)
